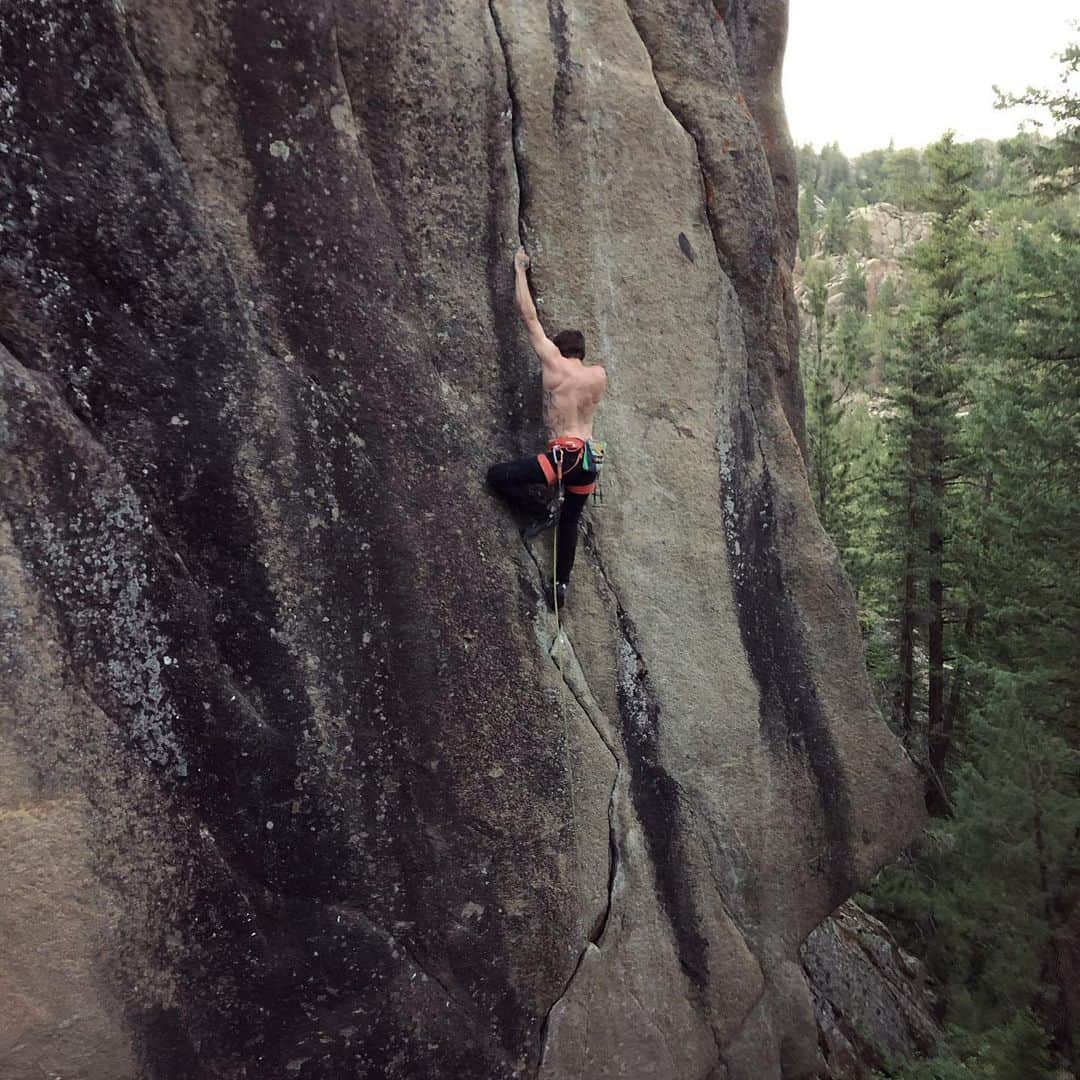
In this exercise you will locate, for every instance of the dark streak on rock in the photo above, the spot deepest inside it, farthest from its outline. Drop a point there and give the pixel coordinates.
(792, 721)
(791, 717)
(655, 797)
(654, 792)
(564, 76)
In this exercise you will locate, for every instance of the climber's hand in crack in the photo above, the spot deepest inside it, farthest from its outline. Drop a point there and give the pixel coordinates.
(542, 345)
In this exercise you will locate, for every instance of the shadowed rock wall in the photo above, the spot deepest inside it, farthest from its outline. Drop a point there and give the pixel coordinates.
(290, 784)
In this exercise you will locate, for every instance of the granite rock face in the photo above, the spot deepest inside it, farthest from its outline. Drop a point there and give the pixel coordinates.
(291, 783)
(889, 231)
(870, 997)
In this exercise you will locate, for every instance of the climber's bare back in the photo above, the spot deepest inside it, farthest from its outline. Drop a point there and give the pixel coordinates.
(572, 392)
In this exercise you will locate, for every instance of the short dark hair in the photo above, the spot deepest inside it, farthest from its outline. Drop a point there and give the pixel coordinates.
(570, 343)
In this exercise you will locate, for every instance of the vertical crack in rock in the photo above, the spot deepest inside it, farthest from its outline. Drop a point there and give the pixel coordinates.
(654, 792)
(791, 716)
(558, 20)
(562, 994)
(589, 705)
(499, 302)
(515, 122)
(586, 700)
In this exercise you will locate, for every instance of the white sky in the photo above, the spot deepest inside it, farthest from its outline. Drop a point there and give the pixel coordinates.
(858, 72)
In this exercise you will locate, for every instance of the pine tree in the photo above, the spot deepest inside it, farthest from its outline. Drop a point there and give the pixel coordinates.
(926, 392)
(852, 338)
(834, 235)
(903, 178)
(1054, 163)
(986, 898)
(978, 528)
(978, 900)
(807, 223)
(819, 376)
(942, 262)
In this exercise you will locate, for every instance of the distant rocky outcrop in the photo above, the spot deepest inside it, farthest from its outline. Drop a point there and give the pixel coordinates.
(290, 785)
(880, 236)
(877, 272)
(884, 231)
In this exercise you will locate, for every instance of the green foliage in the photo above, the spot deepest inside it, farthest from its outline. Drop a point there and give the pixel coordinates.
(807, 223)
(834, 236)
(1054, 164)
(853, 288)
(944, 429)
(903, 179)
(925, 378)
(835, 358)
(974, 899)
(859, 235)
(891, 175)
(1018, 1050)
(1025, 431)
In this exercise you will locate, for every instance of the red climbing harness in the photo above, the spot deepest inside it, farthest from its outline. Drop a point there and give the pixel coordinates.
(559, 448)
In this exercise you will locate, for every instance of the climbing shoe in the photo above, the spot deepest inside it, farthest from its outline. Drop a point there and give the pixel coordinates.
(549, 520)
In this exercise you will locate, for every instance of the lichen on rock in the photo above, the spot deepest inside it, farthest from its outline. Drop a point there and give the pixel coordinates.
(333, 807)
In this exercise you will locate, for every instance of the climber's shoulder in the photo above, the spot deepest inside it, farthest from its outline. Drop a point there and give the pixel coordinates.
(599, 378)
(542, 345)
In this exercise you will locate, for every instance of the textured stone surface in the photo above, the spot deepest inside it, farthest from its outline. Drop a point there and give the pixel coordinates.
(891, 232)
(291, 784)
(877, 272)
(870, 997)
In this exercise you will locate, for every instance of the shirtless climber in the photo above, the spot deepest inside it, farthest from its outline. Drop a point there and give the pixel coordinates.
(572, 392)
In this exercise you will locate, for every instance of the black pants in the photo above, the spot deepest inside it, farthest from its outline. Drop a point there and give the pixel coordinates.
(513, 481)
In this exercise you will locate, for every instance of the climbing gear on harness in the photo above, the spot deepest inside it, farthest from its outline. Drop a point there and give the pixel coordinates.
(557, 452)
(593, 458)
(568, 444)
(564, 455)
(593, 461)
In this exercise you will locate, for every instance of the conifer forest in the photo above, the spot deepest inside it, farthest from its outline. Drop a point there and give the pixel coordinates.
(941, 366)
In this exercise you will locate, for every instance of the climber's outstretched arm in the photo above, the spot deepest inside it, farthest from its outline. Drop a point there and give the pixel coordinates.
(542, 345)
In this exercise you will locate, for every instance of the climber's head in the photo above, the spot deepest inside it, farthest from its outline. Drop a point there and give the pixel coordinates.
(570, 343)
